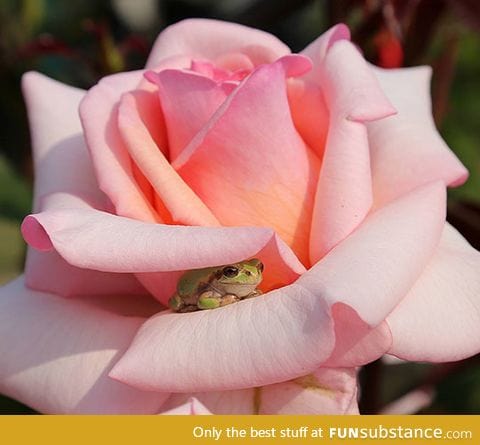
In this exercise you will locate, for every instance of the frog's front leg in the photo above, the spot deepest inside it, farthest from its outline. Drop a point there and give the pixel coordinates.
(211, 300)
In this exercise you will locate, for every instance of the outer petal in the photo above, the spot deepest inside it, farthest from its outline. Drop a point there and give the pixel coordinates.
(62, 164)
(101, 241)
(252, 142)
(406, 149)
(344, 194)
(290, 331)
(439, 320)
(210, 39)
(56, 354)
(326, 391)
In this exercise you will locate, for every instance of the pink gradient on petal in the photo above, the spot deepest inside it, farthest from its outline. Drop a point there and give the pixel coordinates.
(64, 178)
(309, 113)
(59, 363)
(49, 272)
(97, 240)
(319, 47)
(344, 191)
(373, 269)
(325, 391)
(35, 235)
(439, 319)
(256, 152)
(176, 201)
(278, 336)
(188, 100)
(99, 114)
(210, 39)
(407, 150)
(356, 342)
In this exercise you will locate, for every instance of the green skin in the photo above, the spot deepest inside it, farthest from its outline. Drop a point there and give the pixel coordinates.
(218, 286)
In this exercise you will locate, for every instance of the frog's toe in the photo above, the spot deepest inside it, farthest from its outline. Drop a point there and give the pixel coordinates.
(228, 299)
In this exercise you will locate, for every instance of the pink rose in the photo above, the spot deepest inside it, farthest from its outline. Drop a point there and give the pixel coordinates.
(224, 148)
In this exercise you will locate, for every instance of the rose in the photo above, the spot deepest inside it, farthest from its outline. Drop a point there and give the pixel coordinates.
(341, 198)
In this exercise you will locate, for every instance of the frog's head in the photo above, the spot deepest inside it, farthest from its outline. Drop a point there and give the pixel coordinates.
(240, 278)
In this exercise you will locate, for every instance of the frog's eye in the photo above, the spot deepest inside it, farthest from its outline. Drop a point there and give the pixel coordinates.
(230, 271)
(260, 267)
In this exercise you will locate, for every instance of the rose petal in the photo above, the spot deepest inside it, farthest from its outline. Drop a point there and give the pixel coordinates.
(62, 164)
(344, 194)
(309, 113)
(319, 47)
(190, 408)
(255, 151)
(182, 205)
(57, 140)
(375, 267)
(99, 114)
(211, 39)
(406, 149)
(326, 391)
(188, 101)
(96, 240)
(56, 355)
(49, 272)
(439, 320)
(356, 342)
(291, 330)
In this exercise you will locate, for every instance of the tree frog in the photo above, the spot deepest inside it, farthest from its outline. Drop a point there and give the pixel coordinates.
(218, 286)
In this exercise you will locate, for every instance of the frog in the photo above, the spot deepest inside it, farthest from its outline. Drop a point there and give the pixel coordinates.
(218, 286)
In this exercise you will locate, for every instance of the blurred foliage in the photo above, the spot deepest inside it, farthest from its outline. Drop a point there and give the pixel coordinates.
(78, 42)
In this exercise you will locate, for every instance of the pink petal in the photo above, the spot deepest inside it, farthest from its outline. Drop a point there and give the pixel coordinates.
(188, 101)
(180, 201)
(326, 391)
(317, 50)
(252, 142)
(406, 149)
(58, 142)
(212, 39)
(56, 355)
(49, 272)
(96, 240)
(439, 320)
(356, 342)
(309, 113)
(64, 177)
(99, 114)
(290, 332)
(375, 267)
(190, 408)
(344, 194)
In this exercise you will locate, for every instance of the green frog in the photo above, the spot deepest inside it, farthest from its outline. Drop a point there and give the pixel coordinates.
(214, 287)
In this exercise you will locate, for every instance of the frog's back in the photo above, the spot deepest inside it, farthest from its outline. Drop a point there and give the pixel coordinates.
(192, 279)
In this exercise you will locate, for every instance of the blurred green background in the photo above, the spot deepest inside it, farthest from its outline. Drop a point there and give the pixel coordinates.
(78, 42)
